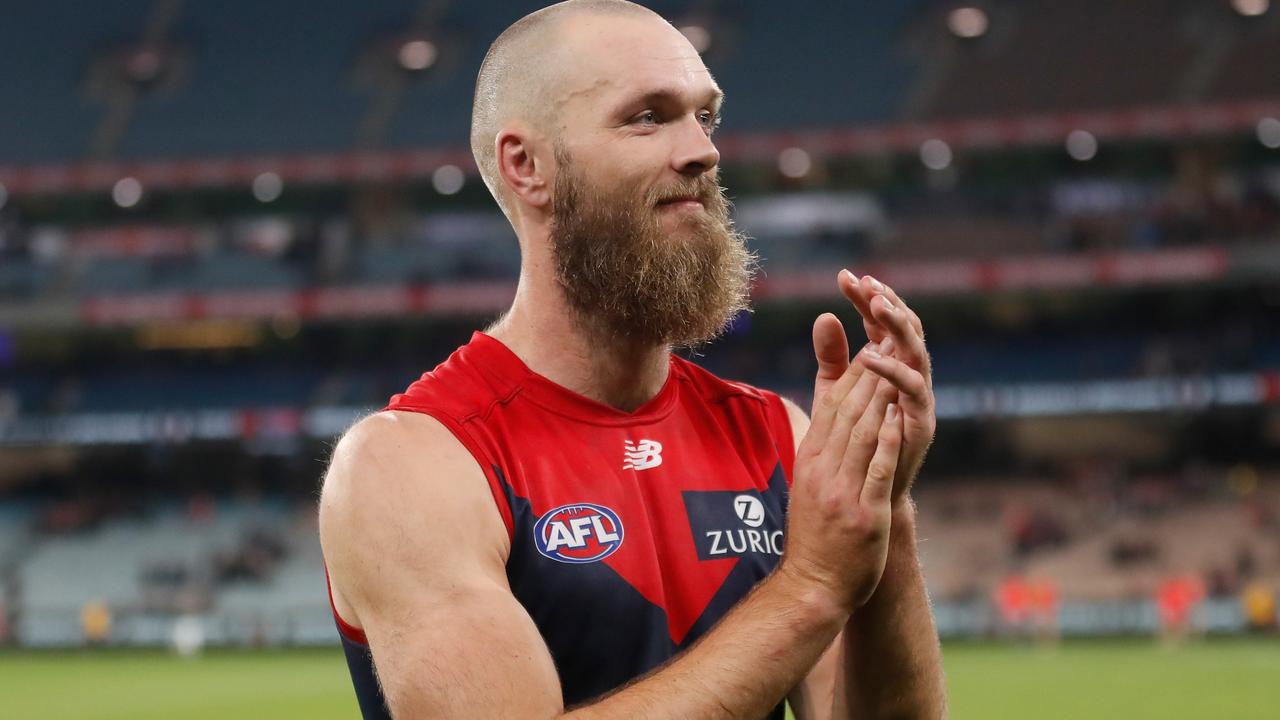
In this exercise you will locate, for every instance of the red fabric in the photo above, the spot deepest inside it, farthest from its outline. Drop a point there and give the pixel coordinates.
(553, 447)
(351, 632)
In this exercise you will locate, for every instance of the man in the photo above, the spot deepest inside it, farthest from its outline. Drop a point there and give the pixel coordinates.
(564, 518)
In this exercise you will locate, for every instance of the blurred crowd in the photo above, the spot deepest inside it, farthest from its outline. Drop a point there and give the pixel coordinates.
(401, 244)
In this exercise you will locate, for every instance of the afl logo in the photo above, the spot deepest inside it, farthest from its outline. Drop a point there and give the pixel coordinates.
(579, 533)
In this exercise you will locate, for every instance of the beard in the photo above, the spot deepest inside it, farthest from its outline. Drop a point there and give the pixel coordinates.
(628, 278)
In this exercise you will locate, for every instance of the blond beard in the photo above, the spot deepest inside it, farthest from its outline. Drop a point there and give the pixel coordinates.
(627, 278)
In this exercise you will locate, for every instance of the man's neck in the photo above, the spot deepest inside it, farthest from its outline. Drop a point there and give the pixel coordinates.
(542, 330)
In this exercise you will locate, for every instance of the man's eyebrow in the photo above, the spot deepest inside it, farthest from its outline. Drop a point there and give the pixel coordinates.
(672, 96)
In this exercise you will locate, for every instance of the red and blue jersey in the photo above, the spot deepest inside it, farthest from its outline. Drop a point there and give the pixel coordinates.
(632, 533)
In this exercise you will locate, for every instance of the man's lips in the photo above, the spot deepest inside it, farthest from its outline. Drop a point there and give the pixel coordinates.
(689, 202)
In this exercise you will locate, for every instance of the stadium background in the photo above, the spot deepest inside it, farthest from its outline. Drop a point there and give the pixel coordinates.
(228, 229)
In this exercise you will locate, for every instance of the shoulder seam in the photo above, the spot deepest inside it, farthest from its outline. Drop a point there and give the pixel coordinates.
(484, 414)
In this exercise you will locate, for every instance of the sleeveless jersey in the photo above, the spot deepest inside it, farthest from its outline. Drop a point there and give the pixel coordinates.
(632, 534)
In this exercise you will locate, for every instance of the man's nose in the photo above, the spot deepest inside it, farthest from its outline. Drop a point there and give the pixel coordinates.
(694, 153)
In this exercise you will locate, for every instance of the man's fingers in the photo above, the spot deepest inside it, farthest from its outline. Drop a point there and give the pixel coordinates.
(911, 347)
(851, 288)
(878, 487)
(860, 297)
(861, 444)
(848, 415)
(912, 387)
(825, 407)
(898, 302)
(862, 291)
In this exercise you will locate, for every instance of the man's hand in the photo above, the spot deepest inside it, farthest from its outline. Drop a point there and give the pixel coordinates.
(888, 662)
(906, 364)
(839, 508)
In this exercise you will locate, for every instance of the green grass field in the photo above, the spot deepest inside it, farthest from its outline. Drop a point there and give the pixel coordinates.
(1217, 680)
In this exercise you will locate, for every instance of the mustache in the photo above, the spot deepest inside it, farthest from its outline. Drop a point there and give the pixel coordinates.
(704, 188)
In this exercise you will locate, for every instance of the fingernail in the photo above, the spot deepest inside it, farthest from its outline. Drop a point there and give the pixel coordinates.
(846, 273)
(886, 345)
(871, 353)
(891, 411)
(875, 284)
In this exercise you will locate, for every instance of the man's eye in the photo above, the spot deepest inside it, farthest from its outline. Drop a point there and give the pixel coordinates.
(648, 117)
(710, 121)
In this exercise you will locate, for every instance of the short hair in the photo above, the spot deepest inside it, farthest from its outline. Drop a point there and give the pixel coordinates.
(514, 78)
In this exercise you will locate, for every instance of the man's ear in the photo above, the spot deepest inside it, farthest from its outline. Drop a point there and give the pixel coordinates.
(521, 168)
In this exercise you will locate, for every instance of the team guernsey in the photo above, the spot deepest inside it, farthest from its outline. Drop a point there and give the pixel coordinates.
(632, 533)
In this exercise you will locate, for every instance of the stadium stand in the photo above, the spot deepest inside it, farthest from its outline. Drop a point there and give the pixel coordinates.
(1051, 55)
(264, 78)
(253, 570)
(173, 368)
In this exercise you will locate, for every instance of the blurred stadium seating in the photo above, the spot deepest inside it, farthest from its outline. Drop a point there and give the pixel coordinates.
(228, 229)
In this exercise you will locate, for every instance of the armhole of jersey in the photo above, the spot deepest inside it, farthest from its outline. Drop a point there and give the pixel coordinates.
(357, 635)
(345, 629)
(488, 465)
(784, 436)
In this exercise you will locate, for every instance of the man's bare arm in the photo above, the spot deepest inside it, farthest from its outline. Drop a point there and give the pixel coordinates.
(886, 662)
(417, 551)
(890, 656)
(892, 662)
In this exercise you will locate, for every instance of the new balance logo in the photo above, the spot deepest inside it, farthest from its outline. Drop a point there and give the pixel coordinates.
(643, 455)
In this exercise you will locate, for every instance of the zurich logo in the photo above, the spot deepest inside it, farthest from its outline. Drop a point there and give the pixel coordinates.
(578, 533)
(750, 510)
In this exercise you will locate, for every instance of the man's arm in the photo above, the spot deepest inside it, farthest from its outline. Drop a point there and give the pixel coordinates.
(416, 552)
(886, 662)
(895, 629)
(892, 662)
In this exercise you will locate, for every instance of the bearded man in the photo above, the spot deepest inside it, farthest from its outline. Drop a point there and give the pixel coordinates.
(564, 518)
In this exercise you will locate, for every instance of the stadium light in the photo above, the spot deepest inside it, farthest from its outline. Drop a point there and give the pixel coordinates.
(1251, 8)
(418, 55)
(968, 22)
(448, 179)
(1082, 145)
(936, 154)
(794, 162)
(1269, 132)
(699, 37)
(144, 64)
(127, 192)
(267, 187)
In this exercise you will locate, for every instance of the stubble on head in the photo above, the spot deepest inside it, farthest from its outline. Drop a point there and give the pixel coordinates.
(630, 280)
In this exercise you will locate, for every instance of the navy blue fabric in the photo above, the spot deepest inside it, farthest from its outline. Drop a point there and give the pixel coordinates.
(601, 632)
(372, 705)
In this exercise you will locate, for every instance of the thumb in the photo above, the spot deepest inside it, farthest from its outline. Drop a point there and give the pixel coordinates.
(831, 349)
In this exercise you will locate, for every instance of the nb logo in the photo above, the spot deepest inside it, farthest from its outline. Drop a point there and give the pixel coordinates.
(643, 455)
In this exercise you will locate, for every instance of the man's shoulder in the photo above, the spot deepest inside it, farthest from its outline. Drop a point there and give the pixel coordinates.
(713, 388)
(392, 465)
(458, 387)
(396, 432)
(402, 494)
(786, 418)
(385, 447)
